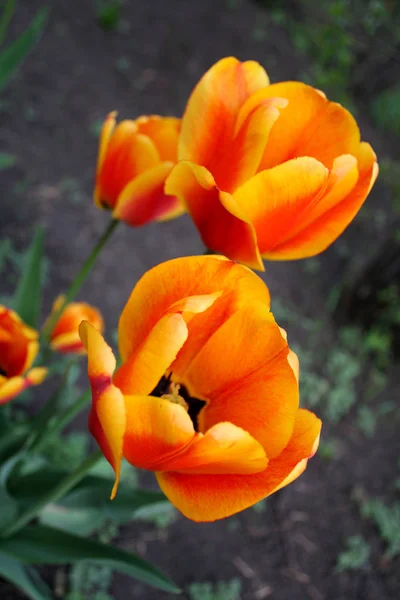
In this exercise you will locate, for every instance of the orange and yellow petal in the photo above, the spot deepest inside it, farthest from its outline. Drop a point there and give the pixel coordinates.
(276, 200)
(13, 386)
(240, 160)
(143, 199)
(144, 368)
(310, 125)
(212, 497)
(224, 448)
(128, 154)
(65, 334)
(223, 225)
(342, 202)
(164, 132)
(107, 420)
(142, 371)
(156, 430)
(210, 116)
(18, 343)
(160, 437)
(175, 279)
(242, 387)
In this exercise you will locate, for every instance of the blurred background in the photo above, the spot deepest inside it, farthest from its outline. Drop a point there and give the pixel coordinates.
(335, 533)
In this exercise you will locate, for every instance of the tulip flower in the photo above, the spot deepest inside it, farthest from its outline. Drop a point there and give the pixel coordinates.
(135, 158)
(268, 171)
(18, 349)
(207, 394)
(64, 337)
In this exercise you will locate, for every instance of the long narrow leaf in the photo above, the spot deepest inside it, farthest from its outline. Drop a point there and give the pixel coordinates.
(24, 578)
(14, 54)
(38, 544)
(91, 493)
(28, 294)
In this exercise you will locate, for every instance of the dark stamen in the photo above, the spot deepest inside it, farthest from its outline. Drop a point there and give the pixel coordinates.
(195, 405)
(3, 372)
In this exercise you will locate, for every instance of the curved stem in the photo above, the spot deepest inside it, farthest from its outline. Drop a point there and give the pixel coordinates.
(65, 418)
(78, 281)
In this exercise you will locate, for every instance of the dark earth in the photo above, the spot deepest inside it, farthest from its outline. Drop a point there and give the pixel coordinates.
(74, 77)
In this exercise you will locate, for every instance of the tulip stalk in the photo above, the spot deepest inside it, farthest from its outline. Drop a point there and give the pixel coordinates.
(78, 281)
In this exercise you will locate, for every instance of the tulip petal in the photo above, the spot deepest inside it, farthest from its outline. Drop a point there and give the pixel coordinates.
(223, 449)
(209, 120)
(143, 199)
(342, 203)
(107, 418)
(105, 136)
(142, 371)
(156, 430)
(275, 200)
(160, 436)
(12, 387)
(261, 377)
(239, 161)
(164, 131)
(129, 154)
(212, 497)
(175, 279)
(310, 125)
(222, 224)
(65, 334)
(68, 343)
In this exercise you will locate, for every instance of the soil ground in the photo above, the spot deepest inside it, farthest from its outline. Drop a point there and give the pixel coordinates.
(74, 77)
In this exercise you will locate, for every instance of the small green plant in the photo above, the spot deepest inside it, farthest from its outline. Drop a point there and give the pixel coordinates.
(89, 582)
(108, 14)
(387, 520)
(385, 109)
(366, 420)
(355, 554)
(223, 590)
(327, 449)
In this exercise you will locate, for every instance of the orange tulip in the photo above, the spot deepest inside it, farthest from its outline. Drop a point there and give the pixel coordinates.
(268, 171)
(207, 392)
(18, 349)
(65, 336)
(135, 158)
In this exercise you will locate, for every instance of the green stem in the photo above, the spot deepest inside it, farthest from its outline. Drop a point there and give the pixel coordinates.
(70, 413)
(79, 280)
(41, 422)
(53, 495)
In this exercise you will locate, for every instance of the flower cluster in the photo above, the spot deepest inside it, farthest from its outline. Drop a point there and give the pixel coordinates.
(265, 171)
(206, 393)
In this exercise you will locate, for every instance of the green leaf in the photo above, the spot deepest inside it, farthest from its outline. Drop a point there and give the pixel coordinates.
(14, 54)
(6, 18)
(7, 160)
(79, 521)
(25, 579)
(9, 507)
(38, 544)
(28, 294)
(92, 493)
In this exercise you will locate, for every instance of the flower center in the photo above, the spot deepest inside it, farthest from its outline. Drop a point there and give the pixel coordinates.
(178, 394)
